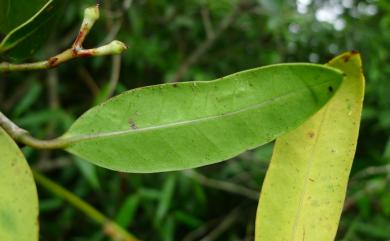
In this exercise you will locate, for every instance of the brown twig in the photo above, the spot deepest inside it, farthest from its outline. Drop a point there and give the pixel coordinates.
(115, 73)
(222, 185)
(88, 80)
(227, 222)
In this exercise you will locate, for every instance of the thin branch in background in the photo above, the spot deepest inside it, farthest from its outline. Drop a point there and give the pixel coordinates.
(208, 42)
(114, 28)
(86, 77)
(107, 8)
(201, 231)
(368, 190)
(115, 73)
(52, 86)
(226, 223)
(118, 13)
(54, 164)
(207, 22)
(91, 14)
(109, 227)
(17, 94)
(222, 185)
(68, 38)
(371, 171)
(116, 60)
(54, 104)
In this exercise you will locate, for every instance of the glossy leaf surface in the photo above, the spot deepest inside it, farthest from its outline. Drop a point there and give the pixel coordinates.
(185, 125)
(18, 195)
(15, 12)
(304, 189)
(26, 38)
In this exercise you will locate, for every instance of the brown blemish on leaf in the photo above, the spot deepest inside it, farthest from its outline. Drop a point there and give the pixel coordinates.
(311, 179)
(347, 57)
(132, 124)
(354, 52)
(330, 88)
(311, 134)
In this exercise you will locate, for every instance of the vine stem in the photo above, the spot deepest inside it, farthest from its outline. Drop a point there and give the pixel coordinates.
(110, 228)
(91, 14)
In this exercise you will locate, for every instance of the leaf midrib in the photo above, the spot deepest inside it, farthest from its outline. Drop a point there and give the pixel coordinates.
(298, 215)
(87, 137)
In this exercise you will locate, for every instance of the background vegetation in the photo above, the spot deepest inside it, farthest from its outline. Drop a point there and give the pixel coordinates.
(200, 40)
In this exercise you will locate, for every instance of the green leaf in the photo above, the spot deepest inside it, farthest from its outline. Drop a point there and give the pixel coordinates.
(89, 172)
(15, 12)
(128, 210)
(18, 194)
(25, 39)
(185, 125)
(166, 198)
(303, 193)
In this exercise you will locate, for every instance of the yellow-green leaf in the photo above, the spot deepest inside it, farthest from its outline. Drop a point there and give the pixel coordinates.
(18, 194)
(304, 189)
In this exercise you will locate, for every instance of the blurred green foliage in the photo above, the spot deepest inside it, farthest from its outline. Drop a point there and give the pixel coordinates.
(235, 35)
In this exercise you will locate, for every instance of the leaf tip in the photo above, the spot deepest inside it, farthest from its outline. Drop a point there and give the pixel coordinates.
(348, 57)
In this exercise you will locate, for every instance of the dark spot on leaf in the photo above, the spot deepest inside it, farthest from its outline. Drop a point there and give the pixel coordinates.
(354, 52)
(330, 88)
(311, 179)
(132, 124)
(175, 85)
(346, 58)
(311, 134)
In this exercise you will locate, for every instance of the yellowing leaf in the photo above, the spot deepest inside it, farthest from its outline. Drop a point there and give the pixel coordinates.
(304, 189)
(18, 194)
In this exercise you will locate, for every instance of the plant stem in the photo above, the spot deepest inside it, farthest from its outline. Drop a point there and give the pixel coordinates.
(91, 14)
(110, 228)
(22, 136)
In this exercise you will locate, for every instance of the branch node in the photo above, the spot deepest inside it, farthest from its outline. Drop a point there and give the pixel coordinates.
(91, 15)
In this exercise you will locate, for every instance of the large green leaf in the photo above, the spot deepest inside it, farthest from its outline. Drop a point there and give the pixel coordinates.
(185, 125)
(25, 39)
(15, 12)
(304, 189)
(18, 194)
